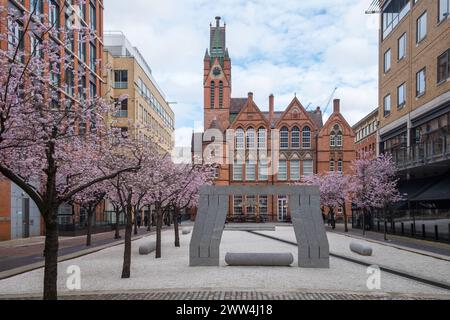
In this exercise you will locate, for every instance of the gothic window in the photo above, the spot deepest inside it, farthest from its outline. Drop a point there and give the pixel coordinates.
(295, 138)
(251, 138)
(240, 139)
(213, 94)
(306, 137)
(332, 167)
(282, 170)
(250, 171)
(221, 94)
(237, 171)
(284, 138)
(336, 137)
(263, 171)
(340, 166)
(295, 170)
(262, 139)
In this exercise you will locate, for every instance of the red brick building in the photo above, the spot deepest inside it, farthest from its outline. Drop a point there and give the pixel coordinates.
(265, 147)
(366, 134)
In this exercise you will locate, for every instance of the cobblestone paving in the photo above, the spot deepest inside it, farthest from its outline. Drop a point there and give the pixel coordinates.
(234, 295)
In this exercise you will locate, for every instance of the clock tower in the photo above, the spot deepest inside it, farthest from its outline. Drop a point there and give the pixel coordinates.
(217, 80)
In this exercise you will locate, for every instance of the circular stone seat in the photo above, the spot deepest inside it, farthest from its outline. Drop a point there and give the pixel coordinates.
(147, 248)
(259, 259)
(361, 248)
(186, 231)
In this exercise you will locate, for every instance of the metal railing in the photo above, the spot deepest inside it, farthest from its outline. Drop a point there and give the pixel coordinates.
(427, 224)
(121, 114)
(421, 154)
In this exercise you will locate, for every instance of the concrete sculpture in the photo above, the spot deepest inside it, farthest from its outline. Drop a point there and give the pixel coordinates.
(361, 248)
(304, 203)
(259, 259)
(147, 248)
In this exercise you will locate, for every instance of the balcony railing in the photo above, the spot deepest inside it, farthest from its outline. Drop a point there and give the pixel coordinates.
(422, 154)
(121, 114)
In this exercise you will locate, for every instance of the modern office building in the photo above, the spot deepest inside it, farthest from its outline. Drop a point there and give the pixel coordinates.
(270, 147)
(19, 217)
(414, 112)
(145, 115)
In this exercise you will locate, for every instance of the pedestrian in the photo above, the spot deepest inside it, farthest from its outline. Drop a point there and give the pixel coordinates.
(139, 221)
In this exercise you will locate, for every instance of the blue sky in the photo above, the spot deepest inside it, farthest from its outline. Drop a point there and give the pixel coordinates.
(307, 47)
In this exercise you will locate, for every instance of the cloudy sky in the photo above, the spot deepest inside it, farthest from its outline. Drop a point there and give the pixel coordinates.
(307, 47)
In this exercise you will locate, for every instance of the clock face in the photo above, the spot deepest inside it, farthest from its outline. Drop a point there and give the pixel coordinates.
(217, 71)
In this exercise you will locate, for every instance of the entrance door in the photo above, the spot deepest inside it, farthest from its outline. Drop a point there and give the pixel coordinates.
(282, 208)
(26, 218)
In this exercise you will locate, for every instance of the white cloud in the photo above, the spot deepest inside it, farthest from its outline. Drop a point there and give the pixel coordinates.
(307, 47)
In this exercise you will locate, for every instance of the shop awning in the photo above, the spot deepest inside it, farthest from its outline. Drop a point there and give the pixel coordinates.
(440, 190)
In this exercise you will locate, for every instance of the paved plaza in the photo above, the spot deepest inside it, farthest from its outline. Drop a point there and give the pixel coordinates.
(171, 275)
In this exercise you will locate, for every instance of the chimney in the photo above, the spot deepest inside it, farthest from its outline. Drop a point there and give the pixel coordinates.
(271, 108)
(250, 96)
(337, 106)
(218, 21)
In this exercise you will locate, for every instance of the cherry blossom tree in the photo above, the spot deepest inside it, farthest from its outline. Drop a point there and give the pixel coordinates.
(53, 138)
(89, 200)
(334, 192)
(131, 191)
(374, 184)
(186, 195)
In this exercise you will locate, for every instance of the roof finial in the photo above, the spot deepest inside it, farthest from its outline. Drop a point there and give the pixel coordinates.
(218, 21)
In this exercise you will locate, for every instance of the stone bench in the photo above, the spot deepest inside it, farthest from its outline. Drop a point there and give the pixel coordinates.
(186, 231)
(361, 248)
(147, 248)
(259, 259)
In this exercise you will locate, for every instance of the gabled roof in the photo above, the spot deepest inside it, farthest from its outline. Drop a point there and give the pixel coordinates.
(237, 104)
(248, 104)
(333, 118)
(296, 102)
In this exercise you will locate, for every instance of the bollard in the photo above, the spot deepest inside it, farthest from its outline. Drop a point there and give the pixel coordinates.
(403, 229)
(412, 230)
(436, 233)
(379, 228)
(424, 234)
(394, 231)
(385, 226)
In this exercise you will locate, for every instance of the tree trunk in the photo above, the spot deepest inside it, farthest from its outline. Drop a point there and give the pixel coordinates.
(176, 215)
(149, 224)
(345, 218)
(126, 269)
(117, 235)
(135, 222)
(51, 255)
(159, 224)
(89, 228)
(364, 222)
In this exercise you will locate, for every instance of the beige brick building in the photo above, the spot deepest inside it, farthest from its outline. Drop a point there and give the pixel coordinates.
(414, 109)
(146, 115)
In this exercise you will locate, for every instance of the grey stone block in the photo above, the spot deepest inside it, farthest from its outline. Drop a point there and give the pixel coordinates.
(304, 203)
(147, 248)
(186, 231)
(259, 259)
(361, 248)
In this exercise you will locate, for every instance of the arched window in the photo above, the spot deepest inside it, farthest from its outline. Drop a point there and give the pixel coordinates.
(251, 138)
(306, 138)
(284, 138)
(332, 166)
(295, 142)
(240, 139)
(221, 94)
(339, 139)
(340, 166)
(262, 139)
(213, 94)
